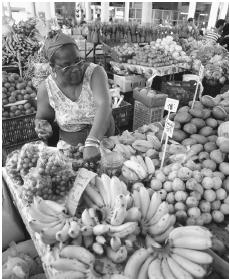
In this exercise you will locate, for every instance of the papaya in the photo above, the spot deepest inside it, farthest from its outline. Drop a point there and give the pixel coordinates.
(182, 117)
(196, 112)
(209, 164)
(184, 109)
(197, 148)
(211, 122)
(200, 123)
(219, 113)
(189, 142)
(210, 146)
(179, 135)
(207, 113)
(199, 138)
(217, 156)
(206, 131)
(190, 128)
(208, 101)
(212, 138)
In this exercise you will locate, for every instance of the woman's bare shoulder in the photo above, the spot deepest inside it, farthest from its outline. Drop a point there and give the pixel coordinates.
(42, 91)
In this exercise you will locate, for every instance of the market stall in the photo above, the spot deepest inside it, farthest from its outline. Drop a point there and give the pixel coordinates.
(156, 204)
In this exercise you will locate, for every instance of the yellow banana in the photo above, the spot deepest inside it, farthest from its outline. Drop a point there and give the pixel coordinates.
(191, 242)
(70, 275)
(119, 256)
(144, 201)
(133, 214)
(155, 141)
(154, 270)
(143, 272)
(38, 215)
(166, 271)
(86, 230)
(78, 241)
(94, 196)
(86, 218)
(177, 270)
(137, 185)
(124, 188)
(88, 240)
(115, 188)
(106, 182)
(150, 242)
(88, 201)
(193, 255)
(164, 236)
(97, 248)
(115, 243)
(134, 159)
(93, 215)
(137, 200)
(129, 174)
(161, 211)
(47, 207)
(64, 264)
(161, 226)
(79, 253)
(74, 229)
(195, 269)
(190, 231)
(100, 239)
(135, 262)
(124, 230)
(150, 165)
(37, 226)
(101, 188)
(119, 213)
(137, 168)
(101, 229)
(153, 206)
(62, 235)
(47, 239)
(51, 232)
(142, 163)
(129, 201)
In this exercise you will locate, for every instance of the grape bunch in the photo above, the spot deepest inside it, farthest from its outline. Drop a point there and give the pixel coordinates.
(11, 166)
(73, 152)
(62, 183)
(49, 164)
(37, 185)
(28, 158)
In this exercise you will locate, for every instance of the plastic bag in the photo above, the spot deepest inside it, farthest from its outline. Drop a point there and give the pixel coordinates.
(36, 184)
(51, 162)
(111, 162)
(28, 157)
(11, 166)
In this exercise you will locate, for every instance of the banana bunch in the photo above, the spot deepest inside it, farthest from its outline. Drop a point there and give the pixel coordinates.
(74, 262)
(50, 220)
(138, 168)
(107, 200)
(180, 258)
(155, 219)
(126, 150)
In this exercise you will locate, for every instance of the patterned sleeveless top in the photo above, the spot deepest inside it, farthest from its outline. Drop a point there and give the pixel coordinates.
(73, 116)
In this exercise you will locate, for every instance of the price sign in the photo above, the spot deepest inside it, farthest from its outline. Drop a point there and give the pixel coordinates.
(201, 72)
(83, 178)
(171, 105)
(169, 127)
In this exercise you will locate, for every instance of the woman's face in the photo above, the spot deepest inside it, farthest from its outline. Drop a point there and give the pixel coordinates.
(68, 66)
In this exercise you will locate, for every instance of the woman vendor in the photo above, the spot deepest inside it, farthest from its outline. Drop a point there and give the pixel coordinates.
(76, 95)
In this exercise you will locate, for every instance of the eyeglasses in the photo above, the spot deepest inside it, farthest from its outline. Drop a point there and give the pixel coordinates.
(65, 69)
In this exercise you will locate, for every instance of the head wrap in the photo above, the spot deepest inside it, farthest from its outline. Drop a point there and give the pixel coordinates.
(54, 41)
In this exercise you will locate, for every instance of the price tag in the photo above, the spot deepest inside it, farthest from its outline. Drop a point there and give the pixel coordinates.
(169, 127)
(171, 105)
(201, 72)
(83, 178)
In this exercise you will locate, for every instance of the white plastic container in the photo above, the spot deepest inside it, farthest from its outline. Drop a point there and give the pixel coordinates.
(189, 77)
(128, 83)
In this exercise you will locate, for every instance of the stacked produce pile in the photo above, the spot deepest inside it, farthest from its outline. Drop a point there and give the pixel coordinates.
(214, 57)
(20, 43)
(16, 96)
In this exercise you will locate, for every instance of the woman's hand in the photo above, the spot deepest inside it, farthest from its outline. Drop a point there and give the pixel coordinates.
(91, 154)
(43, 129)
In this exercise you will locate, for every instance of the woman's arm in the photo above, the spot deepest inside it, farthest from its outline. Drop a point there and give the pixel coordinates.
(99, 85)
(45, 113)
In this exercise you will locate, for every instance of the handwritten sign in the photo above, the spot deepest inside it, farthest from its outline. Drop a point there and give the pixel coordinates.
(171, 105)
(168, 131)
(169, 127)
(83, 178)
(199, 84)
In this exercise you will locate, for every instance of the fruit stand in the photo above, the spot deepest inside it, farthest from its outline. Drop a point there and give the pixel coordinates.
(157, 203)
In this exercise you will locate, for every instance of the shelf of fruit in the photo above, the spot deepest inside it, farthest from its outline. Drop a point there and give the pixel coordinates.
(18, 96)
(20, 43)
(163, 56)
(128, 218)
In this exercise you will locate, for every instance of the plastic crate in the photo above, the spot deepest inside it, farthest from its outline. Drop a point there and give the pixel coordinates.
(18, 130)
(150, 101)
(128, 83)
(144, 115)
(180, 90)
(123, 114)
